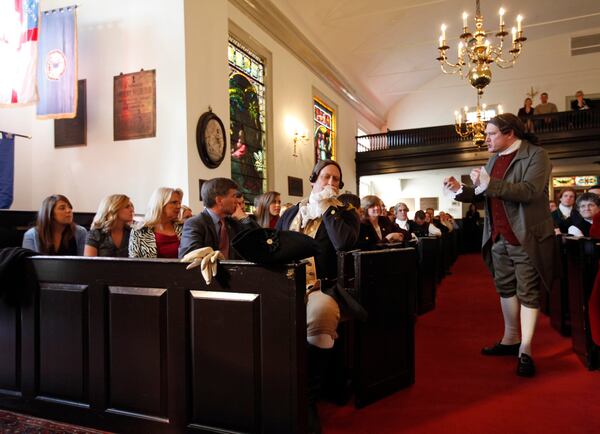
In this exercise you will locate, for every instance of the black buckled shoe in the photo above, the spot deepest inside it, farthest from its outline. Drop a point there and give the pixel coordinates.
(501, 350)
(525, 366)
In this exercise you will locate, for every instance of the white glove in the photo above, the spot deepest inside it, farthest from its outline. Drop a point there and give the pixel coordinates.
(206, 258)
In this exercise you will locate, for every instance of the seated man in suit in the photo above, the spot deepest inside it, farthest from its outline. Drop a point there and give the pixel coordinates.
(334, 227)
(223, 217)
(588, 205)
(566, 215)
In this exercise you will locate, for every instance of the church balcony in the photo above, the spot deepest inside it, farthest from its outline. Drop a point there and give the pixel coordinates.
(563, 135)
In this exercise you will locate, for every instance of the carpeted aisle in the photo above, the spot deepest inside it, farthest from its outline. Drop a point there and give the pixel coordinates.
(457, 390)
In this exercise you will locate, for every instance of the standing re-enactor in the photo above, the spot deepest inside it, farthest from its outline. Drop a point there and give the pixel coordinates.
(334, 227)
(518, 242)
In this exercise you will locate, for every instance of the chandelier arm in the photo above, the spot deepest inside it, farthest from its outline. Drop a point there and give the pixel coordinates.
(457, 69)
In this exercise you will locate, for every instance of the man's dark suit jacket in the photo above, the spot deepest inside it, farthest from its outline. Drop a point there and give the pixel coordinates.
(338, 231)
(563, 223)
(199, 231)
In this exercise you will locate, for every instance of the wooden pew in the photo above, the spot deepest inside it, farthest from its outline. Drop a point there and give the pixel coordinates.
(582, 262)
(142, 346)
(384, 347)
(560, 318)
(427, 249)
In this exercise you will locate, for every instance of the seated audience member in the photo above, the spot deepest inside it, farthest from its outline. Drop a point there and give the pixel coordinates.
(526, 114)
(324, 218)
(472, 214)
(594, 189)
(185, 213)
(402, 220)
(545, 107)
(552, 206)
(367, 238)
(421, 228)
(435, 221)
(391, 213)
(268, 207)
(580, 103)
(159, 233)
(109, 234)
(54, 232)
(566, 215)
(444, 220)
(588, 205)
(383, 228)
(222, 218)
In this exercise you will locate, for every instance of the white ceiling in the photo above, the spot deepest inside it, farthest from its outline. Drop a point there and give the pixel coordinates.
(387, 48)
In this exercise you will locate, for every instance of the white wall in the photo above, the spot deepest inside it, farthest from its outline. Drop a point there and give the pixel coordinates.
(114, 37)
(185, 41)
(545, 64)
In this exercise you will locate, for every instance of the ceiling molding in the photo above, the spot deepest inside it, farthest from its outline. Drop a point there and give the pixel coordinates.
(273, 21)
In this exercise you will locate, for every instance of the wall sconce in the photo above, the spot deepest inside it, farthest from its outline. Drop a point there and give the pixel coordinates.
(299, 137)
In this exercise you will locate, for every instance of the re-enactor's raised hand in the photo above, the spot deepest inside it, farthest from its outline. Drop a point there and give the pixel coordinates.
(476, 176)
(327, 198)
(452, 184)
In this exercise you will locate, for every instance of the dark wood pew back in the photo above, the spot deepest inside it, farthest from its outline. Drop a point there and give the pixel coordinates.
(143, 346)
(385, 283)
(427, 249)
(582, 261)
(560, 318)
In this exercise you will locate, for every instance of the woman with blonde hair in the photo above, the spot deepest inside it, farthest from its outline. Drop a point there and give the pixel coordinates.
(268, 207)
(109, 234)
(54, 232)
(159, 233)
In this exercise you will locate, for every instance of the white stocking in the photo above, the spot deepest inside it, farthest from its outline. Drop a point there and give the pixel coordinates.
(510, 312)
(528, 321)
(322, 341)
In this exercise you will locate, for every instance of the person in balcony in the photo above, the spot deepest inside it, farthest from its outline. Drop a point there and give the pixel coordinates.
(581, 103)
(545, 107)
(526, 114)
(588, 205)
(54, 232)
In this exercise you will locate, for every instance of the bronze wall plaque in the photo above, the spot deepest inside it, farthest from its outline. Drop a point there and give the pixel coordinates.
(135, 105)
(428, 202)
(73, 132)
(295, 187)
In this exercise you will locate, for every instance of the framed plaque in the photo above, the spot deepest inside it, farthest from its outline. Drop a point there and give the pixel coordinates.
(134, 105)
(429, 202)
(295, 187)
(73, 132)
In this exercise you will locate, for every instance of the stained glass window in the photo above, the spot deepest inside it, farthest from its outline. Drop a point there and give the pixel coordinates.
(247, 113)
(324, 131)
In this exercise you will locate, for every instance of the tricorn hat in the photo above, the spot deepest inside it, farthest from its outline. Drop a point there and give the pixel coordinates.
(271, 246)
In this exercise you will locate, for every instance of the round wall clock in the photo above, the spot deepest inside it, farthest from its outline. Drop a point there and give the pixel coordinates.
(211, 139)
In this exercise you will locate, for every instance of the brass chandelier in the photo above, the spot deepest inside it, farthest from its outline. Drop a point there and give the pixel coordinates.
(476, 52)
(476, 128)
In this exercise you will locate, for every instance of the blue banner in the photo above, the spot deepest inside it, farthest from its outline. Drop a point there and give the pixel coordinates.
(57, 64)
(7, 169)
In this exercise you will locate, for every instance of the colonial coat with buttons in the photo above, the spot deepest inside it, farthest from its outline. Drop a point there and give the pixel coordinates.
(524, 194)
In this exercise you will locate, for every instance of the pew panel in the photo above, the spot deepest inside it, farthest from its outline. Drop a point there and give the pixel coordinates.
(237, 346)
(10, 336)
(63, 349)
(386, 284)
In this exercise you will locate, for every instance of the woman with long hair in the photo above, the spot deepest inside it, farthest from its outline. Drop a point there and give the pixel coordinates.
(109, 234)
(159, 233)
(383, 228)
(268, 207)
(54, 232)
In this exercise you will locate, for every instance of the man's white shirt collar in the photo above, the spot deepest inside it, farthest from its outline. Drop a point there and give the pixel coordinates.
(512, 148)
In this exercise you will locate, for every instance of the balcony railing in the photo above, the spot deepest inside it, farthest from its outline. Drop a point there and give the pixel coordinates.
(542, 125)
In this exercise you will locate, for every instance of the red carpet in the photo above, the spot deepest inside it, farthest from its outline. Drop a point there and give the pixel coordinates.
(15, 423)
(457, 390)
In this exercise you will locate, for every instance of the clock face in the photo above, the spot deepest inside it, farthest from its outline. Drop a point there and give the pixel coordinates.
(211, 140)
(215, 143)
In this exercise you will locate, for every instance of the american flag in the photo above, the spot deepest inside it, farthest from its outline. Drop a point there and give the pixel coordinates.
(18, 50)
